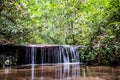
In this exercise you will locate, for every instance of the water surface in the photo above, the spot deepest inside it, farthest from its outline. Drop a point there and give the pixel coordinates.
(60, 72)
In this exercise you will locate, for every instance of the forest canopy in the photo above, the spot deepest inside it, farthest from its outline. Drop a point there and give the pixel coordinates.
(94, 23)
(59, 21)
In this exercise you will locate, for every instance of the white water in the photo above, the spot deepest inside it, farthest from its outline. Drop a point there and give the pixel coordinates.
(53, 54)
(33, 52)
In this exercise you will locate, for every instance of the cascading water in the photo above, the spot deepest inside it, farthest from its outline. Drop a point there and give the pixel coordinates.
(70, 54)
(36, 54)
(33, 52)
(51, 54)
(33, 55)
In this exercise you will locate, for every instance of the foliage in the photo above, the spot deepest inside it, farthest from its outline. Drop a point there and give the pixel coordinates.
(94, 23)
(15, 23)
(104, 45)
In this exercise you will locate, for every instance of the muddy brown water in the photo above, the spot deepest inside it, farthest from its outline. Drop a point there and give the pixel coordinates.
(60, 72)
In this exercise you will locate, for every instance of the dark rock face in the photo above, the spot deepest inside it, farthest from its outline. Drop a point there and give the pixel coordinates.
(41, 54)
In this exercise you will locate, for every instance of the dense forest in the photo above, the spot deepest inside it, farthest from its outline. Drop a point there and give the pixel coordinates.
(93, 23)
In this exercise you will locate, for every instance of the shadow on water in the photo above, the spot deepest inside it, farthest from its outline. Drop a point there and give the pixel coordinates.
(60, 72)
(54, 62)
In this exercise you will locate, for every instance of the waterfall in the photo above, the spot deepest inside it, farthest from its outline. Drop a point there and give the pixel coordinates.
(33, 60)
(51, 54)
(70, 54)
(33, 55)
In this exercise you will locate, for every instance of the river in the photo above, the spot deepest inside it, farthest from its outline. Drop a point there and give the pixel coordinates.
(60, 72)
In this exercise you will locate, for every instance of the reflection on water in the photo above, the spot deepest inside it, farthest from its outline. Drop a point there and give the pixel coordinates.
(33, 70)
(60, 72)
